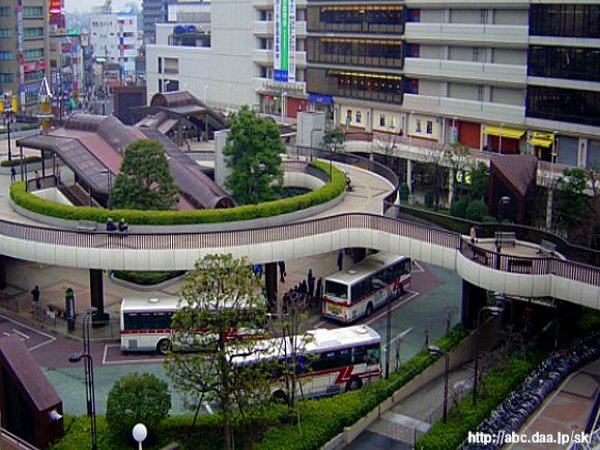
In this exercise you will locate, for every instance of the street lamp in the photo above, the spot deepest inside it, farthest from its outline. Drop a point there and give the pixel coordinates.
(139, 433)
(283, 96)
(435, 350)
(8, 115)
(494, 311)
(90, 394)
(388, 325)
(108, 176)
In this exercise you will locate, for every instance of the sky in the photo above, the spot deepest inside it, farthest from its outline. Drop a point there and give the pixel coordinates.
(87, 5)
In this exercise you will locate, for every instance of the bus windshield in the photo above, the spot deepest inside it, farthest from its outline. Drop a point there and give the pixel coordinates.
(335, 289)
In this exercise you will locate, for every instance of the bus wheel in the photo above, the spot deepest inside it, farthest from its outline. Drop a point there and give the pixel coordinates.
(280, 397)
(163, 346)
(353, 384)
(369, 310)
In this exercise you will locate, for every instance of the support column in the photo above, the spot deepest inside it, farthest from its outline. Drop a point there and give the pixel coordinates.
(97, 295)
(271, 280)
(473, 299)
(358, 254)
(3, 272)
(409, 175)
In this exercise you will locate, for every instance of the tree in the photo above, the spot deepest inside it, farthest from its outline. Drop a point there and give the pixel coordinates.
(219, 292)
(252, 152)
(136, 398)
(457, 157)
(144, 181)
(480, 178)
(333, 139)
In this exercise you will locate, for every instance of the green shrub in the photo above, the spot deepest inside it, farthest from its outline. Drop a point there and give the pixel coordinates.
(476, 211)
(459, 207)
(17, 161)
(146, 278)
(136, 398)
(488, 219)
(325, 193)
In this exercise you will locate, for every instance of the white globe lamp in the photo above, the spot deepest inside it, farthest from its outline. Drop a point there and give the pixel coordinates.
(139, 432)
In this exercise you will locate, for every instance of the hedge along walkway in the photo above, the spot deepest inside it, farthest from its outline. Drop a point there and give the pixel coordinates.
(329, 191)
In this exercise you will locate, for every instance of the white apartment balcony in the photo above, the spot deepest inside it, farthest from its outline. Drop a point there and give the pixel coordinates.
(464, 71)
(476, 35)
(465, 109)
(263, 4)
(269, 85)
(466, 3)
(265, 28)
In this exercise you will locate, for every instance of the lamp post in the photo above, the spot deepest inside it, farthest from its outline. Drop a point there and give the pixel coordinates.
(435, 350)
(500, 139)
(108, 176)
(388, 323)
(8, 115)
(494, 311)
(139, 433)
(90, 394)
(283, 114)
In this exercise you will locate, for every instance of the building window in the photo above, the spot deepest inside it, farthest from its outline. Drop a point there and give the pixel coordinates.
(6, 55)
(348, 117)
(33, 11)
(160, 67)
(480, 93)
(564, 62)
(5, 11)
(429, 127)
(358, 117)
(171, 66)
(5, 33)
(567, 20)
(382, 120)
(6, 77)
(476, 54)
(565, 105)
(34, 54)
(484, 16)
(418, 127)
(33, 32)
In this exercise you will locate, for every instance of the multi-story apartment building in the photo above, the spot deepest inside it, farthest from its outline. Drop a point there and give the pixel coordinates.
(114, 38)
(510, 76)
(23, 50)
(153, 12)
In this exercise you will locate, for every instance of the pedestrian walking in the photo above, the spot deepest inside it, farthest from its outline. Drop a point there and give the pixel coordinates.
(13, 174)
(318, 293)
(473, 234)
(303, 288)
(340, 260)
(35, 300)
(310, 283)
(38, 181)
(282, 271)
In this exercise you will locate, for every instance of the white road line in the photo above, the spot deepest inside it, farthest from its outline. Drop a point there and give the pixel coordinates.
(23, 335)
(421, 269)
(105, 352)
(401, 335)
(125, 361)
(395, 305)
(7, 334)
(49, 339)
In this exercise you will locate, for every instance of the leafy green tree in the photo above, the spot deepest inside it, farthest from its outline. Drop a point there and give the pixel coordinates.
(136, 398)
(476, 210)
(480, 177)
(333, 139)
(144, 181)
(219, 292)
(252, 152)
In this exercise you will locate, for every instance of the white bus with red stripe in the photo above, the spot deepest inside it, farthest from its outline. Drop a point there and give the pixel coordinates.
(328, 361)
(355, 293)
(146, 325)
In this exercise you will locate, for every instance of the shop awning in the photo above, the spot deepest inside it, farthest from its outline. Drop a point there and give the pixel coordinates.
(538, 142)
(506, 132)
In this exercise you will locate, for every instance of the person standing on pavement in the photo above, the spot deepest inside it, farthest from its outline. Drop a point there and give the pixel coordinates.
(310, 280)
(38, 181)
(13, 174)
(35, 300)
(282, 271)
(340, 260)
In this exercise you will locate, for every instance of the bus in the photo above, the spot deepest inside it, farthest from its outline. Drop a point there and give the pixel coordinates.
(329, 362)
(145, 325)
(350, 295)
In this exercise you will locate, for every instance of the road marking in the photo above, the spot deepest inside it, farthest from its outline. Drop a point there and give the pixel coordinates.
(394, 306)
(420, 267)
(401, 335)
(7, 334)
(49, 339)
(125, 361)
(23, 335)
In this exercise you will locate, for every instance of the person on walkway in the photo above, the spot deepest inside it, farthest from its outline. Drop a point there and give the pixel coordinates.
(318, 293)
(35, 300)
(282, 271)
(123, 227)
(110, 225)
(38, 181)
(303, 288)
(310, 279)
(340, 260)
(13, 174)
(473, 234)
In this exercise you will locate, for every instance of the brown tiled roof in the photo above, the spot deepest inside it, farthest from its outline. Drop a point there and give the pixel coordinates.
(518, 170)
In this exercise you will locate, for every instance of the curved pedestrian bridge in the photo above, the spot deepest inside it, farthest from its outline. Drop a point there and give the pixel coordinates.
(163, 249)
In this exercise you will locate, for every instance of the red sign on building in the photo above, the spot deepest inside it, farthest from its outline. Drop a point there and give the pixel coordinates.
(54, 6)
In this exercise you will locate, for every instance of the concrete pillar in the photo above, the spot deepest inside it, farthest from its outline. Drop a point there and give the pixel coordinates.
(2, 272)
(97, 294)
(271, 281)
(451, 176)
(473, 299)
(358, 254)
(409, 175)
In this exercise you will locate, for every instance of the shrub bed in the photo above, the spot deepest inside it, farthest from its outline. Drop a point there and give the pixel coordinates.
(146, 278)
(17, 161)
(324, 194)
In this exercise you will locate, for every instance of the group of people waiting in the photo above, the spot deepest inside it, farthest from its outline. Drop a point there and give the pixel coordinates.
(307, 292)
(111, 226)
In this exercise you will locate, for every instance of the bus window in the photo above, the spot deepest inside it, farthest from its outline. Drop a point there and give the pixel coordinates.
(334, 289)
(373, 354)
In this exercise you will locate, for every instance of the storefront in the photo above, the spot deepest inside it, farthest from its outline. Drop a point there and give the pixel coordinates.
(541, 144)
(501, 139)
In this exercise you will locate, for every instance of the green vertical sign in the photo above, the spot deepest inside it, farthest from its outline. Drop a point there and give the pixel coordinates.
(284, 33)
